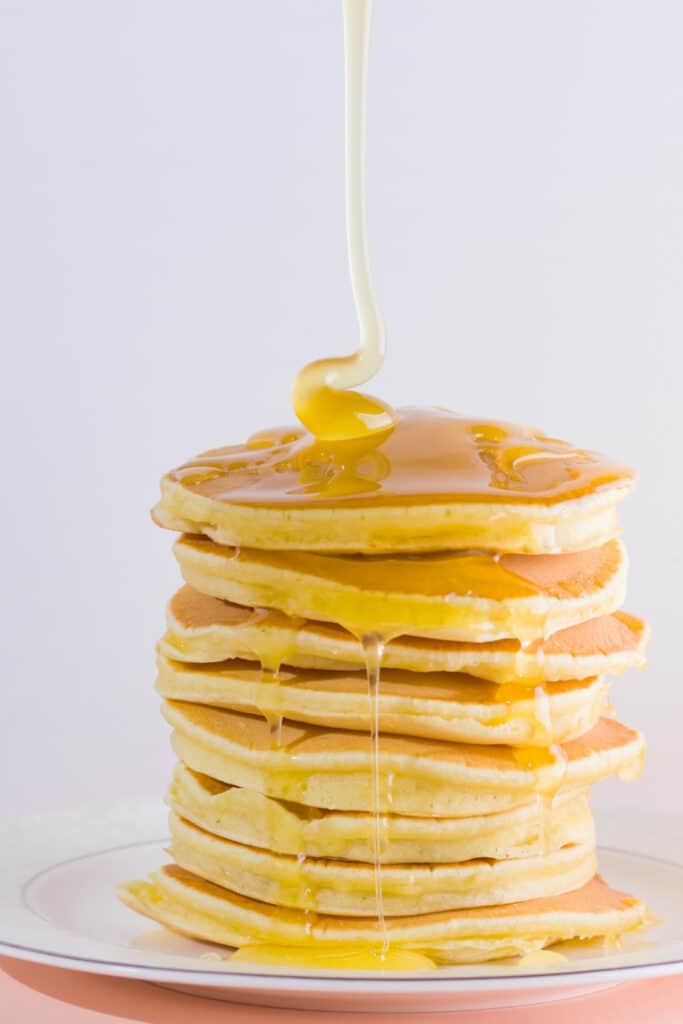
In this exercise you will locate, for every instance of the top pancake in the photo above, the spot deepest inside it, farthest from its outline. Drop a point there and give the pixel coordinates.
(428, 484)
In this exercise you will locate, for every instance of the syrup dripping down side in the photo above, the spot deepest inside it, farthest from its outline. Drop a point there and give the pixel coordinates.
(373, 647)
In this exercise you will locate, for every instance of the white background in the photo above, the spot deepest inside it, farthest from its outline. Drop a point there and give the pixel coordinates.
(172, 250)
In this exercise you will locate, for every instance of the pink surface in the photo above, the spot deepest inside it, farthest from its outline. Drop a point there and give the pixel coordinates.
(49, 995)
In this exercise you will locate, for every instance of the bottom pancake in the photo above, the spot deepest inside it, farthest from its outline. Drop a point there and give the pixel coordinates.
(342, 887)
(253, 819)
(185, 903)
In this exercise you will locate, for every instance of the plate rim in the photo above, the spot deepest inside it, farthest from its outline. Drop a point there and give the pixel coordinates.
(274, 981)
(414, 984)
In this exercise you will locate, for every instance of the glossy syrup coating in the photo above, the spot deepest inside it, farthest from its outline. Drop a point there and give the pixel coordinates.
(429, 456)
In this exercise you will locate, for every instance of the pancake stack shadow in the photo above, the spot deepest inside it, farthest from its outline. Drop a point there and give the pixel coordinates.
(465, 833)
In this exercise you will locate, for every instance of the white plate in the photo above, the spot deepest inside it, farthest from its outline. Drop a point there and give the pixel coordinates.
(57, 906)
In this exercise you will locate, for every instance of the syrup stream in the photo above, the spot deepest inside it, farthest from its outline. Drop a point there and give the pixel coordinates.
(373, 646)
(319, 394)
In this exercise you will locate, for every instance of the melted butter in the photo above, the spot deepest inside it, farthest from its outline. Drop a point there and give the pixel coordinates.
(428, 456)
(350, 957)
(320, 393)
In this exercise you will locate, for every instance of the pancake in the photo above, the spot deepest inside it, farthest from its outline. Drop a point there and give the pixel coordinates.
(187, 904)
(256, 820)
(445, 706)
(454, 596)
(333, 769)
(204, 629)
(428, 485)
(348, 889)
(479, 563)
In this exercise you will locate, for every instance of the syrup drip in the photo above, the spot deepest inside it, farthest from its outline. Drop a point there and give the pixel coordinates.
(270, 704)
(373, 647)
(310, 918)
(275, 730)
(545, 750)
(271, 660)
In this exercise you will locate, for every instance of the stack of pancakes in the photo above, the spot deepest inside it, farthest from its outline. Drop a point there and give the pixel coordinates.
(441, 805)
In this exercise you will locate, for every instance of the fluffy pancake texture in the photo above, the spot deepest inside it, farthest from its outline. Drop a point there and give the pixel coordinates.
(253, 819)
(192, 906)
(332, 769)
(348, 888)
(441, 706)
(203, 628)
